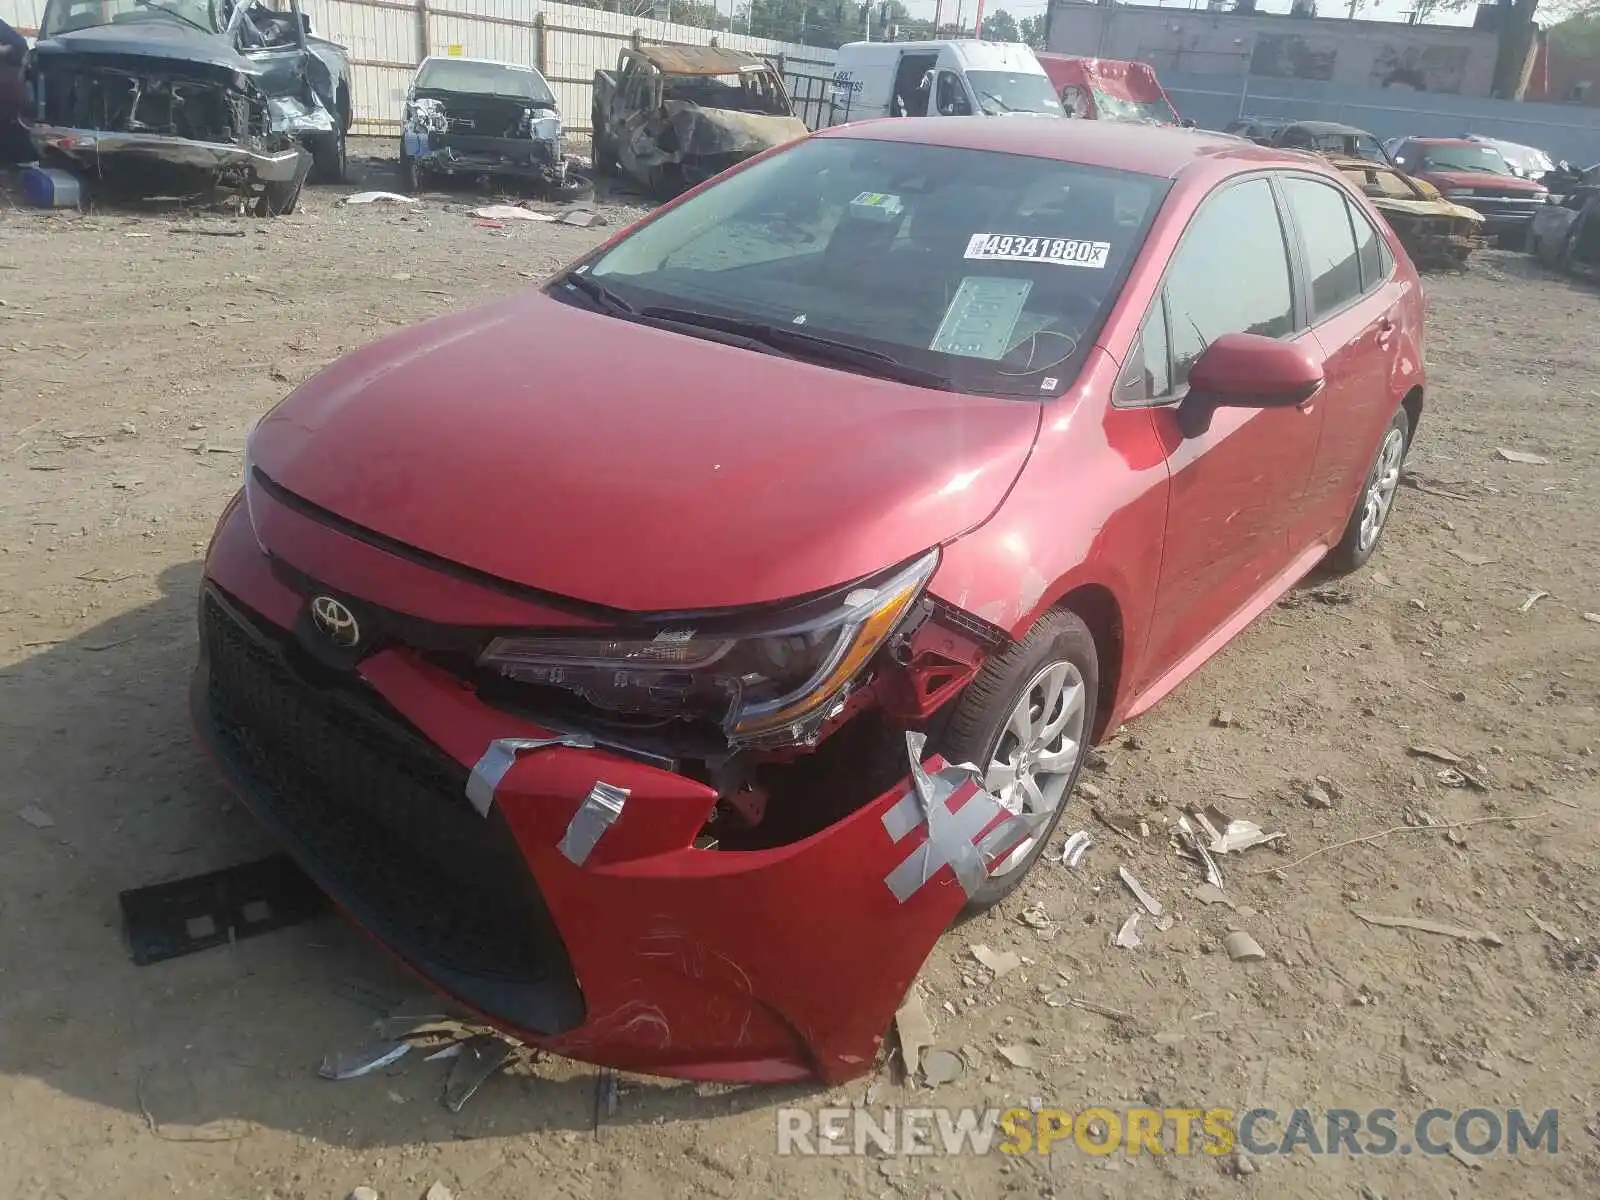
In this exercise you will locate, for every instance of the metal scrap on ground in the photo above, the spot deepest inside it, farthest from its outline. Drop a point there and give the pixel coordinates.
(1423, 925)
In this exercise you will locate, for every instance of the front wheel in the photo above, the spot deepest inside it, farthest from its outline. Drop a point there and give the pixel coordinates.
(327, 157)
(1376, 501)
(1026, 721)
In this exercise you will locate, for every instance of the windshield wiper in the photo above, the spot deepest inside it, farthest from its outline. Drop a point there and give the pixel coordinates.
(1004, 107)
(598, 292)
(788, 340)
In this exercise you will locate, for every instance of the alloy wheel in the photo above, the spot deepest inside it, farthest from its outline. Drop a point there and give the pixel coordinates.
(1381, 488)
(1038, 751)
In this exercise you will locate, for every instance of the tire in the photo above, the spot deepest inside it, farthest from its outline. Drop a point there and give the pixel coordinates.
(327, 157)
(410, 172)
(1379, 488)
(280, 199)
(979, 730)
(1530, 243)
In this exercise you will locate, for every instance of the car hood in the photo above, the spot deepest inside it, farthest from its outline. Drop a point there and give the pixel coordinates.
(635, 467)
(1479, 179)
(155, 37)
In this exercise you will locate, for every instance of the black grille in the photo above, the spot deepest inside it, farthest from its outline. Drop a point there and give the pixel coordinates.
(379, 817)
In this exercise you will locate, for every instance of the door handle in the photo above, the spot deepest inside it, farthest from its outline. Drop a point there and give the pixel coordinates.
(1385, 332)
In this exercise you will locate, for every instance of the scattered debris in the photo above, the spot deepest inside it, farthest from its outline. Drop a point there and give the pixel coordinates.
(914, 1030)
(1241, 947)
(584, 219)
(363, 1193)
(1429, 488)
(1474, 560)
(37, 817)
(1545, 927)
(1533, 598)
(1522, 456)
(1242, 835)
(480, 1058)
(1423, 925)
(1383, 833)
(438, 1191)
(1075, 848)
(607, 1094)
(1020, 1056)
(352, 1064)
(941, 1066)
(1210, 893)
(1035, 917)
(1131, 828)
(208, 230)
(1224, 719)
(1436, 753)
(996, 962)
(1471, 1164)
(1592, 618)
(1063, 1000)
(374, 197)
(1128, 936)
(1151, 904)
(1316, 796)
(509, 212)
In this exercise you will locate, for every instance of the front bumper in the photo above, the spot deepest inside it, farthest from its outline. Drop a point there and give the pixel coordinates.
(650, 955)
(91, 148)
(460, 154)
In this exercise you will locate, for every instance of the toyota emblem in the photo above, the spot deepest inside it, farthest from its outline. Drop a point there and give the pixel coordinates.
(337, 623)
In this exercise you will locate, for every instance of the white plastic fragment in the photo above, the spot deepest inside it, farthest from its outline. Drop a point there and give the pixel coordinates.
(996, 962)
(1241, 947)
(1076, 846)
(509, 212)
(1151, 904)
(374, 197)
(1128, 936)
(352, 1064)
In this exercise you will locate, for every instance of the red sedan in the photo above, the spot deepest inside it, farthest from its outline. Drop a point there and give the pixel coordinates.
(658, 661)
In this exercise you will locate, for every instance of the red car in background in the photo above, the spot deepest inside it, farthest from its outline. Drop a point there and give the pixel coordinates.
(605, 651)
(1477, 176)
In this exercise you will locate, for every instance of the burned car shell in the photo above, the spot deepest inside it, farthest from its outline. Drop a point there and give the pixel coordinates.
(659, 118)
(1434, 231)
(258, 102)
(1566, 233)
(448, 129)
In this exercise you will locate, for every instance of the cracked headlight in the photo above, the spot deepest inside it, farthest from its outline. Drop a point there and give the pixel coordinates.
(430, 114)
(775, 680)
(545, 129)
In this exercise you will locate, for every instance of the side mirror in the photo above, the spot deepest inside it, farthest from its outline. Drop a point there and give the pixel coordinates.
(1247, 370)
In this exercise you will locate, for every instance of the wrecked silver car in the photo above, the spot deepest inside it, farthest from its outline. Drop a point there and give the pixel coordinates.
(190, 95)
(674, 116)
(473, 116)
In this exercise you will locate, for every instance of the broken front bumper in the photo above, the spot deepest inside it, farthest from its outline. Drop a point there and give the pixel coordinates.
(90, 148)
(578, 918)
(458, 154)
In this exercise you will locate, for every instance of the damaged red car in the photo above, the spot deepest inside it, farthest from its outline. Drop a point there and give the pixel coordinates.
(658, 661)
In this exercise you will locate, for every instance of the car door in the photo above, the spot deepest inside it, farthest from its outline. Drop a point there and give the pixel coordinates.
(1353, 307)
(1238, 487)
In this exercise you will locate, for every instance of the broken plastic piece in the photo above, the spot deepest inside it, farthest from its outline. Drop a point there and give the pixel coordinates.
(997, 962)
(371, 197)
(1151, 904)
(352, 1064)
(914, 1030)
(941, 1066)
(1242, 835)
(1241, 947)
(480, 1058)
(599, 810)
(501, 756)
(1128, 936)
(1019, 1056)
(510, 212)
(1076, 846)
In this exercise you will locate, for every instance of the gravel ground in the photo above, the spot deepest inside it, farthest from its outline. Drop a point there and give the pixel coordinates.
(134, 352)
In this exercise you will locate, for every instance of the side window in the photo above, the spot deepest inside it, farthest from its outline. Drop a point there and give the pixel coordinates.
(1230, 274)
(1324, 220)
(952, 97)
(1369, 250)
(1157, 363)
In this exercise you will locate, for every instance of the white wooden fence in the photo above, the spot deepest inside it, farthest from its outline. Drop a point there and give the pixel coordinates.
(388, 38)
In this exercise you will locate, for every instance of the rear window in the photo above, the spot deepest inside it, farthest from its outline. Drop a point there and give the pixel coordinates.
(992, 270)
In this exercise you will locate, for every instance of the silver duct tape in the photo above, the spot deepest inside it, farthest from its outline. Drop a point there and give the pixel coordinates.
(598, 812)
(501, 756)
(950, 841)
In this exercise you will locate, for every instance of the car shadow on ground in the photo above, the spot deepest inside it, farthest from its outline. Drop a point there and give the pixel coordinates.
(106, 790)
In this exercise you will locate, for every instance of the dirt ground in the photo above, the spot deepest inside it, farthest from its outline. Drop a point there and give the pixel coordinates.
(133, 354)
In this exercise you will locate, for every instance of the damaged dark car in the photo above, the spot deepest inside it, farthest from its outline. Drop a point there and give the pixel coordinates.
(477, 117)
(186, 96)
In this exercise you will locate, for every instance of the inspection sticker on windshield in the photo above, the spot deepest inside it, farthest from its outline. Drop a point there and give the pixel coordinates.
(877, 206)
(1061, 252)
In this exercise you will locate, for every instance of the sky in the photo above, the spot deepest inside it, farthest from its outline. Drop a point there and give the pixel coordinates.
(1382, 10)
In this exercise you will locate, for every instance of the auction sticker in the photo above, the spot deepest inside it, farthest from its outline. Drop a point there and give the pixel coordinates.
(1061, 252)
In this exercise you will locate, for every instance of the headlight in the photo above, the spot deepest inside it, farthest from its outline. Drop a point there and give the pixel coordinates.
(773, 681)
(547, 129)
(1459, 194)
(430, 113)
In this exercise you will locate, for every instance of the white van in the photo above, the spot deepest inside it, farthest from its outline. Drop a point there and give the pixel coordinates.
(940, 79)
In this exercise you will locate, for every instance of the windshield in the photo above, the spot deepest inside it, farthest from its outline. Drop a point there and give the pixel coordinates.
(485, 79)
(1119, 108)
(991, 270)
(65, 16)
(753, 91)
(1464, 158)
(1001, 92)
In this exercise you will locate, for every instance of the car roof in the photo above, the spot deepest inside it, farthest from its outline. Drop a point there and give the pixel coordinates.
(1441, 141)
(697, 60)
(482, 62)
(1159, 150)
(1327, 127)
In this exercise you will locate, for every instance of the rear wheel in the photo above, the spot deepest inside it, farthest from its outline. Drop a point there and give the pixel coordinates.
(1376, 501)
(1026, 721)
